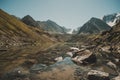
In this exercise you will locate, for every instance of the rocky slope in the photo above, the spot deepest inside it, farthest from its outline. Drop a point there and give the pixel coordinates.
(111, 37)
(94, 25)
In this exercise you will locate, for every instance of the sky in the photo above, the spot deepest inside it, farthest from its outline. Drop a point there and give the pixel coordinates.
(68, 13)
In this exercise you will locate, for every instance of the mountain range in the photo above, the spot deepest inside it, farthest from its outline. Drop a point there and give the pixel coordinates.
(49, 25)
(14, 30)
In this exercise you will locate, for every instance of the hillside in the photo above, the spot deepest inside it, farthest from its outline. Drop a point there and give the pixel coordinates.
(94, 25)
(111, 37)
(14, 37)
(13, 30)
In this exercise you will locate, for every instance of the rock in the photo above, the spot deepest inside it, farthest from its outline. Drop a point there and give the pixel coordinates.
(74, 49)
(70, 54)
(66, 62)
(29, 63)
(117, 60)
(85, 57)
(58, 59)
(108, 69)
(116, 78)
(38, 68)
(91, 59)
(19, 70)
(97, 75)
(106, 49)
(80, 74)
(119, 51)
(112, 65)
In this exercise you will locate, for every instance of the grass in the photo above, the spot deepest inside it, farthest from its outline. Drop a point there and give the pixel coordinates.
(13, 32)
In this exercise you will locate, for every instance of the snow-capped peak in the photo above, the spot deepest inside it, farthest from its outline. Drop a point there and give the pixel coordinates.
(111, 19)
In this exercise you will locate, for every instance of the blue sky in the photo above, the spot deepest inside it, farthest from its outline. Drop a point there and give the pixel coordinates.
(68, 13)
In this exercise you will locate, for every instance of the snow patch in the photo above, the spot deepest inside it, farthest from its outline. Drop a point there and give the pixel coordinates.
(70, 32)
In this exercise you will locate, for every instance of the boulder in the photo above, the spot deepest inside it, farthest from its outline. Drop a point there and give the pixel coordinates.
(38, 68)
(116, 78)
(58, 59)
(112, 65)
(117, 60)
(65, 62)
(106, 49)
(75, 49)
(70, 54)
(84, 57)
(97, 75)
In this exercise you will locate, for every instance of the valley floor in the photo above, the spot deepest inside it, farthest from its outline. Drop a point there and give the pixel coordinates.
(54, 63)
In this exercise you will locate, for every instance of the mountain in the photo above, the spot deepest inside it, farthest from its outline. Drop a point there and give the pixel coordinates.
(49, 26)
(94, 25)
(29, 21)
(111, 19)
(12, 30)
(52, 27)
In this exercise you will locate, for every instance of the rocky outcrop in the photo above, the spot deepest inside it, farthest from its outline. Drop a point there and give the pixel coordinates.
(116, 78)
(98, 75)
(82, 56)
(85, 59)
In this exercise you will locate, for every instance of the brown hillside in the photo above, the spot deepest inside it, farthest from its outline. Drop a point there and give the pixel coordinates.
(15, 32)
